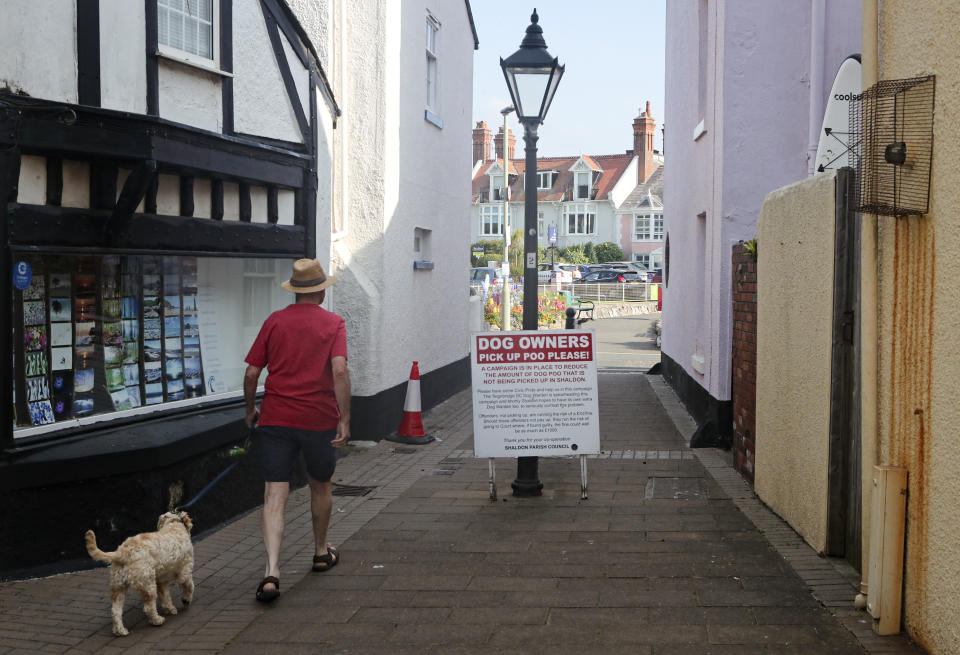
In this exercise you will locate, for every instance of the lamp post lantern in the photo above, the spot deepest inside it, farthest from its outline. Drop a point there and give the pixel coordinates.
(532, 77)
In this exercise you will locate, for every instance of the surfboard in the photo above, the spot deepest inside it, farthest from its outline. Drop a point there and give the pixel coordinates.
(833, 148)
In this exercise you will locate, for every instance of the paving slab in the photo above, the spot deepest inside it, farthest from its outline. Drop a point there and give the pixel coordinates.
(665, 556)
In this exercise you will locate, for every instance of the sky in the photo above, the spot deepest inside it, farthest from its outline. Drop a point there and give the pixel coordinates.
(613, 51)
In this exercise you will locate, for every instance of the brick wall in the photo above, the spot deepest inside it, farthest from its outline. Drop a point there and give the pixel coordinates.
(744, 360)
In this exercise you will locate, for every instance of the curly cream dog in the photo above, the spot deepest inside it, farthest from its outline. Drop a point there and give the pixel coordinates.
(149, 562)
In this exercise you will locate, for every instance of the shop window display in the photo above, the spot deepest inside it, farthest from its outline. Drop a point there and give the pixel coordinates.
(101, 334)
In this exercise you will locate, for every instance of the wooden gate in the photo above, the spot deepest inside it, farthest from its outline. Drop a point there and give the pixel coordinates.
(844, 510)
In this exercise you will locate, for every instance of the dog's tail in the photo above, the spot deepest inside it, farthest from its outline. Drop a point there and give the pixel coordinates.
(96, 553)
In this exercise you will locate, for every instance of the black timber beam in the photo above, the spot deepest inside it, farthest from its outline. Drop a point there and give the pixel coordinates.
(54, 181)
(88, 52)
(293, 96)
(226, 64)
(186, 195)
(152, 42)
(134, 190)
(9, 180)
(72, 131)
(35, 227)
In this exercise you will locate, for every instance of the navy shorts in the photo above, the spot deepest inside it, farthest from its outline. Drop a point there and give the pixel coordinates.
(276, 448)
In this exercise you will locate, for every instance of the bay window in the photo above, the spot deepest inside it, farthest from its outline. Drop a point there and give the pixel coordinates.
(648, 227)
(581, 219)
(491, 220)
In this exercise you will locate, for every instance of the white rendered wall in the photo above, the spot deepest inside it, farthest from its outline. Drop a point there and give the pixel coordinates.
(48, 68)
(123, 73)
(314, 16)
(428, 186)
(324, 184)
(190, 96)
(261, 106)
(357, 254)
(626, 184)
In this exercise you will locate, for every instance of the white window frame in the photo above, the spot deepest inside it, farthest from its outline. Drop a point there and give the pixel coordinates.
(642, 259)
(432, 76)
(657, 226)
(576, 184)
(185, 56)
(496, 182)
(585, 219)
(541, 228)
(491, 220)
(544, 180)
(648, 226)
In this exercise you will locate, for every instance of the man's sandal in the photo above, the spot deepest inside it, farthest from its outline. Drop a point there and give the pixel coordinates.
(267, 595)
(323, 563)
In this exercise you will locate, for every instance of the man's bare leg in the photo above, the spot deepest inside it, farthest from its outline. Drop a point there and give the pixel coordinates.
(321, 505)
(275, 496)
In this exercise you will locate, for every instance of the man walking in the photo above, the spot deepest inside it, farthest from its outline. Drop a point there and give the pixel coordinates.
(306, 408)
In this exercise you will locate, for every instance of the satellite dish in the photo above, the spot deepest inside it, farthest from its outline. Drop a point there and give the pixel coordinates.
(833, 149)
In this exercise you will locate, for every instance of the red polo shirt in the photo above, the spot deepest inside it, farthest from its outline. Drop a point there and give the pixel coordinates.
(297, 345)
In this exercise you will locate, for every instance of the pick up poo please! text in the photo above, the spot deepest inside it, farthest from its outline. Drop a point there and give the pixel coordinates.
(540, 348)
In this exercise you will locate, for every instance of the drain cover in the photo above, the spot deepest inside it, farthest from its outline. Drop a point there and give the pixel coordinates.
(351, 490)
(674, 489)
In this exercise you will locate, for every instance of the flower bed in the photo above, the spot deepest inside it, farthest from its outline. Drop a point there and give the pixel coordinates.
(551, 309)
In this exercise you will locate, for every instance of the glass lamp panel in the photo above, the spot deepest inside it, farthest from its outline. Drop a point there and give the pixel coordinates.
(555, 74)
(530, 85)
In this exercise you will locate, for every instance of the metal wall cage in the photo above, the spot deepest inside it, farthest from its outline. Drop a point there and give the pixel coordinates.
(892, 146)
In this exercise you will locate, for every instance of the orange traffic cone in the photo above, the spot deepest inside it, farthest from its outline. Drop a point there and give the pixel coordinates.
(411, 425)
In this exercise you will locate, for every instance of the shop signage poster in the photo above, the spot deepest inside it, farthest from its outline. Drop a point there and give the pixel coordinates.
(210, 340)
(535, 393)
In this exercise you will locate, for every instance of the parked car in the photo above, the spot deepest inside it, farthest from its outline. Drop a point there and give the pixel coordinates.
(610, 276)
(576, 270)
(547, 272)
(494, 275)
(642, 270)
(657, 276)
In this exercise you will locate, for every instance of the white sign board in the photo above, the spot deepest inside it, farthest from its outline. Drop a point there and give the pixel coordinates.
(836, 139)
(535, 393)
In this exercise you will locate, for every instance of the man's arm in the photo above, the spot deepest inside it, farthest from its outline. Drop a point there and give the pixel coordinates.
(341, 389)
(250, 380)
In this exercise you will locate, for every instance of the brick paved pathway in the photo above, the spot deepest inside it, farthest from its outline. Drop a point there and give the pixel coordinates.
(664, 557)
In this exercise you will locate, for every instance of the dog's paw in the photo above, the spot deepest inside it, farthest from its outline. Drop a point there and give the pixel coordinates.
(185, 602)
(172, 609)
(120, 631)
(157, 621)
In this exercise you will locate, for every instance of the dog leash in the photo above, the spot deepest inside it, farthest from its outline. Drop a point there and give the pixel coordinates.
(236, 451)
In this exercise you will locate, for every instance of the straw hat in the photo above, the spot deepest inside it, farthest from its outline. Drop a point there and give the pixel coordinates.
(308, 276)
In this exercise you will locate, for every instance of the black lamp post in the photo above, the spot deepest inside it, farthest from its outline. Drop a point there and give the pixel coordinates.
(532, 76)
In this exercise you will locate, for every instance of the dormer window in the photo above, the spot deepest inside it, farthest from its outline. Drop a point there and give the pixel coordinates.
(544, 180)
(496, 187)
(581, 189)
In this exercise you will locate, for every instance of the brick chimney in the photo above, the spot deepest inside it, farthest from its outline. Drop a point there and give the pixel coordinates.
(643, 129)
(481, 142)
(498, 143)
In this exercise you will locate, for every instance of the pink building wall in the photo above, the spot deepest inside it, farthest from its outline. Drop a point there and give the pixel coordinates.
(756, 121)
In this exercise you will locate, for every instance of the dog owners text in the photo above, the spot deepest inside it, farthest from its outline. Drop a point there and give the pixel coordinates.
(548, 347)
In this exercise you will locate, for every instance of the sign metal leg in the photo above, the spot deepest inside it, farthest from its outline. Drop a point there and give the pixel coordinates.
(492, 466)
(583, 477)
